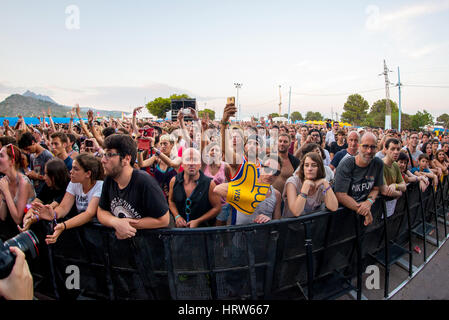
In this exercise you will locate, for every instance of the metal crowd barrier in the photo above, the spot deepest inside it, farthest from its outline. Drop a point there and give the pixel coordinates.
(322, 255)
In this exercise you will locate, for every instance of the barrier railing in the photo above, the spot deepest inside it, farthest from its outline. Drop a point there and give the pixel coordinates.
(318, 256)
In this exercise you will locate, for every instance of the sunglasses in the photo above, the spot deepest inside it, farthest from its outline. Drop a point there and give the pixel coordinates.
(366, 146)
(188, 210)
(12, 151)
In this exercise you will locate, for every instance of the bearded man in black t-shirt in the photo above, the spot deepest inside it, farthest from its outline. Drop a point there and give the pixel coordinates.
(359, 179)
(130, 199)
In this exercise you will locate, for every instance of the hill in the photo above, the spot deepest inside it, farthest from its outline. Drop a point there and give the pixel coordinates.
(28, 106)
(38, 96)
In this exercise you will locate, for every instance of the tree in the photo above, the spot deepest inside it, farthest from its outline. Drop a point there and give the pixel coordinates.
(208, 111)
(274, 115)
(421, 119)
(355, 110)
(159, 106)
(444, 120)
(376, 116)
(311, 116)
(406, 121)
(296, 115)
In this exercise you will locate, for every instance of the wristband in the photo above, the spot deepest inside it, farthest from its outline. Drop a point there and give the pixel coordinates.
(370, 200)
(325, 191)
(304, 195)
(54, 218)
(178, 216)
(65, 227)
(37, 217)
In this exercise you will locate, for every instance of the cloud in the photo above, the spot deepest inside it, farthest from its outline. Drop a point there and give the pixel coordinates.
(426, 50)
(379, 21)
(303, 64)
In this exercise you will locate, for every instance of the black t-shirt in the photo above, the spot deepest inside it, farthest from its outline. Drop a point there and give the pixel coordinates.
(48, 195)
(357, 181)
(334, 148)
(141, 198)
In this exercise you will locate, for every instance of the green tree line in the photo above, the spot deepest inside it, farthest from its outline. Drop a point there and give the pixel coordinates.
(356, 111)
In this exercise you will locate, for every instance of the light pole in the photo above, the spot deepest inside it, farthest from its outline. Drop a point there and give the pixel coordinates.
(238, 86)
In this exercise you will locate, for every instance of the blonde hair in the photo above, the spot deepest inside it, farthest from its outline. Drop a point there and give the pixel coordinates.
(167, 137)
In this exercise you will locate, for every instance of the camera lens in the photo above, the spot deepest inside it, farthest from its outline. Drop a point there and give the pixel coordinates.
(25, 241)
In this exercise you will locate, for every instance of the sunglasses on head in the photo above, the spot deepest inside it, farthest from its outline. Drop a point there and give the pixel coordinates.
(12, 151)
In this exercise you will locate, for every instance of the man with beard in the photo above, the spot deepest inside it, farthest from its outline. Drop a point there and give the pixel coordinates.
(358, 179)
(289, 162)
(130, 199)
(191, 198)
(395, 185)
(292, 133)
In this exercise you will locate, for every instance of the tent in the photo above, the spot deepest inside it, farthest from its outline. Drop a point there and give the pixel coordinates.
(280, 119)
(143, 114)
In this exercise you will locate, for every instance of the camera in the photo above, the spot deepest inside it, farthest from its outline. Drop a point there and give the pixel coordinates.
(146, 132)
(89, 144)
(25, 241)
(186, 112)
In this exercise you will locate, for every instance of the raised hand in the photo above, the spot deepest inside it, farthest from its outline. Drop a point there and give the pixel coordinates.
(137, 110)
(90, 116)
(229, 111)
(246, 193)
(180, 116)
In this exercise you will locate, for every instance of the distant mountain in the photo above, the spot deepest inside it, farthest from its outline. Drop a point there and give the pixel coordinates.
(38, 96)
(31, 107)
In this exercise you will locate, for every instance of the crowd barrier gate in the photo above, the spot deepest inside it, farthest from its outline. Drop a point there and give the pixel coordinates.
(321, 255)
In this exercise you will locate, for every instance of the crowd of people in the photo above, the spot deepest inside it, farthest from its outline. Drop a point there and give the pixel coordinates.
(138, 174)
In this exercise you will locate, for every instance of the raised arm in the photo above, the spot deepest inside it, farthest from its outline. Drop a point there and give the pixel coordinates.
(83, 126)
(50, 118)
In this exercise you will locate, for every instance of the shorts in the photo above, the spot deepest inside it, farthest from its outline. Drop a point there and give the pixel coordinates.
(225, 212)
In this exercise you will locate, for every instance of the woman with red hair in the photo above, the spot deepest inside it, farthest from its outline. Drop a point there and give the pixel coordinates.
(16, 190)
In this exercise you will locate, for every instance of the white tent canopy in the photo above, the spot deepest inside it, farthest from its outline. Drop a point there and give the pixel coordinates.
(143, 114)
(280, 119)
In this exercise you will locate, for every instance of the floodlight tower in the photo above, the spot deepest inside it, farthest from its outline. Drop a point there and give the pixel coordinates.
(238, 86)
(387, 94)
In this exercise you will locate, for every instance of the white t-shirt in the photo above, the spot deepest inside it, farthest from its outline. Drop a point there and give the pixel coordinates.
(330, 137)
(327, 160)
(81, 199)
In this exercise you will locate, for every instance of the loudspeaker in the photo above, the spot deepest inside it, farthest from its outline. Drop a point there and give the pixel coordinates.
(177, 104)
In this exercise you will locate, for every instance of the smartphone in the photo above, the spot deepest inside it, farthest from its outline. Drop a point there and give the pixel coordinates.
(231, 100)
(89, 144)
(143, 144)
(186, 112)
(146, 132)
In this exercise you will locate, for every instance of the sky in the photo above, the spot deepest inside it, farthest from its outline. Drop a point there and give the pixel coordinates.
(117, 55)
